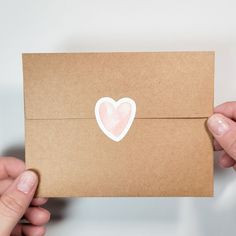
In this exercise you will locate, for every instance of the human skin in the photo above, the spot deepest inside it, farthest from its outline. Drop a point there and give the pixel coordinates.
(18, 186)
(17, 189)
(222, 125)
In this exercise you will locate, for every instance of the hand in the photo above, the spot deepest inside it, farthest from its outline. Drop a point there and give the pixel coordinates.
(222, 125)
(17, 188)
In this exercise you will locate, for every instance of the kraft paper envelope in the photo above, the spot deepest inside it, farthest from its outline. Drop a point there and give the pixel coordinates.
(166, 151)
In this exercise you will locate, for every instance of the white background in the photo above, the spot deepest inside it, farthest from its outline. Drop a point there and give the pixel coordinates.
(121, 25)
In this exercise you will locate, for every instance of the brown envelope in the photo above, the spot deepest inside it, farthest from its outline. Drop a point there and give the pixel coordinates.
(167, 150)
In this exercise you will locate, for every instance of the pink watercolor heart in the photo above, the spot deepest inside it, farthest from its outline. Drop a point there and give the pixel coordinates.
(115, 118)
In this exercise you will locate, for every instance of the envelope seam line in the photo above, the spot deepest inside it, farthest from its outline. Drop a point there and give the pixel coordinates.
(149, 118)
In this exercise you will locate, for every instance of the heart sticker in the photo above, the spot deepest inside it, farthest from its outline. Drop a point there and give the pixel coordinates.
(115, 117)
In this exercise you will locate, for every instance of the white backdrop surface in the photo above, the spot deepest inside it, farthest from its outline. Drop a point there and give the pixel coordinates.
(121, 25)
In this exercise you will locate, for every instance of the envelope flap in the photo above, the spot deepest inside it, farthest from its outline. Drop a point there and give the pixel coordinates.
(163, 85)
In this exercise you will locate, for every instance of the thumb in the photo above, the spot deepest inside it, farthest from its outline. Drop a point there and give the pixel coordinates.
(15, 201)
(224, 131)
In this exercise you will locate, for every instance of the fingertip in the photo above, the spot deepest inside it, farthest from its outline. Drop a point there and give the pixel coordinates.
(219, 125)
(226, 161)
(39, 201)
(221, 107)
(11, 167)
(27, 182)
(18, 163)
(37, 216)
(33, 230)
(228, 109)
(27, 229)
(34, 171)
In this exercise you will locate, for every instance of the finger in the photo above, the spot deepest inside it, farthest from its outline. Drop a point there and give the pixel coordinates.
(27, 229)
(10, 167)
(37, 215)
(15, 201)
(38, 201)
(225, 161)
(217, 146)
(224, 131)
(227, 109)
(4, 185)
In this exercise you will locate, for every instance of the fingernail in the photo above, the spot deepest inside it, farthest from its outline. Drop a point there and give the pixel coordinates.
(218, 125)
(27, 181)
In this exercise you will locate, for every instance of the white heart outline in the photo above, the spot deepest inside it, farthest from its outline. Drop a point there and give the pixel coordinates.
(115, 104)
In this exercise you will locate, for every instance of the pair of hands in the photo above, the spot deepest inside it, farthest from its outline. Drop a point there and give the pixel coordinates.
(18, 186)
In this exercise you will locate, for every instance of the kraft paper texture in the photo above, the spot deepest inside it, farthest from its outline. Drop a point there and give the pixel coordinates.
(167, 150)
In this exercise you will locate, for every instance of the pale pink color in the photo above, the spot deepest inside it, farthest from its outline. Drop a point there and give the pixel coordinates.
(27, 181)
(115, 119)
